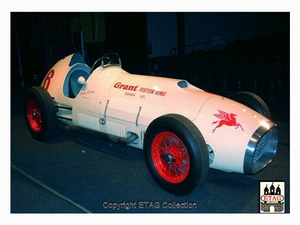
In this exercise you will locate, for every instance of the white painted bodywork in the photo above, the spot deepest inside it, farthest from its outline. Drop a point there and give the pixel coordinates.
(116, 102)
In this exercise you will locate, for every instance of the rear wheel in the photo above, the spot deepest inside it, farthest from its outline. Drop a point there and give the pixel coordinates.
(253, 101)
(40, 113)
(176, 154)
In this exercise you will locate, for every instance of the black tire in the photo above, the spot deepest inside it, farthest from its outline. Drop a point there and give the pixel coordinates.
(40, 113)
(189, 165)
(253, 101)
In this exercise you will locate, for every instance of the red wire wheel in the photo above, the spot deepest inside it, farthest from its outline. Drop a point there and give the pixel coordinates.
(170, 157)
(34, 115)
(40, 113)
(176, 154)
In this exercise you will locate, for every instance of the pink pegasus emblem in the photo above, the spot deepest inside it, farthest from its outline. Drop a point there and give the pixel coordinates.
(226, 119)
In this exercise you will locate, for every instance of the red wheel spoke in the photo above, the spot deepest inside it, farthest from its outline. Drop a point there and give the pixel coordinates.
(34, 115)
(170, 157)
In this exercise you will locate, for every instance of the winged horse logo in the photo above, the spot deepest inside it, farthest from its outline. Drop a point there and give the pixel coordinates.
(226, 119)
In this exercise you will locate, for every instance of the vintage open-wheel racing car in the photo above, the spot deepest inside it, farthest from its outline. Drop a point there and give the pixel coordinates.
(182, 129)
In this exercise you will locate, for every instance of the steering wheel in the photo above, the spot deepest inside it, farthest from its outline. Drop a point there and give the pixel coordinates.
(104, 61)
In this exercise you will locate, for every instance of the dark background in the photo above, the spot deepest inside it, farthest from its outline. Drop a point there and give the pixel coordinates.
(259, 63)
(41, 39)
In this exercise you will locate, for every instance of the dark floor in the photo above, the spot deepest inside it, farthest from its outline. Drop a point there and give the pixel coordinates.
(80, 174)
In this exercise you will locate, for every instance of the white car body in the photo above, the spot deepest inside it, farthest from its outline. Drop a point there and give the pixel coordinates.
(118, 103)
(182, 129)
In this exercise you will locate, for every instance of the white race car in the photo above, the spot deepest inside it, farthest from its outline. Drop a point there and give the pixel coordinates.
(182, 129)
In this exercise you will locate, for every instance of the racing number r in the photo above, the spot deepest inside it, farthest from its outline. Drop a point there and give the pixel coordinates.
(48, 79)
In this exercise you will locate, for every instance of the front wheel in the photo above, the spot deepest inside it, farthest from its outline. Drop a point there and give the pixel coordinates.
(40, 113)
(176, 154)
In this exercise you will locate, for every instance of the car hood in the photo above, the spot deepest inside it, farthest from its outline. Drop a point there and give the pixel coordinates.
(157, 96)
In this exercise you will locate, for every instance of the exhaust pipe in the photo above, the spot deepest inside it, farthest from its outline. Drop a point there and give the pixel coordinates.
(128, 140)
